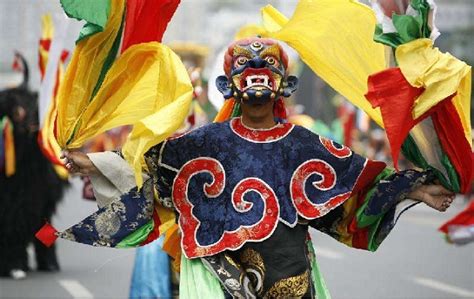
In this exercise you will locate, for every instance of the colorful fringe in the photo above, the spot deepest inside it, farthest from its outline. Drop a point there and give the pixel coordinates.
(46, 139)
(460, 229)
(431, 90)
(7, 147)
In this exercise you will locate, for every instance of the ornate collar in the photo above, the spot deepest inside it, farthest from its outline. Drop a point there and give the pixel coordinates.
(275, 133)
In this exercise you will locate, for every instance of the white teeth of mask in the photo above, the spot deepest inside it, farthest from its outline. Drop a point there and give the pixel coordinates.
(249, 81)
(257, 80)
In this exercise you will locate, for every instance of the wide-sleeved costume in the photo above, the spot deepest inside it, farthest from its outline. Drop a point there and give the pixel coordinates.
(245, 199)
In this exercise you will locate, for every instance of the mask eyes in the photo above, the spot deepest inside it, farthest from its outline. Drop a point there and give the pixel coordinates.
(272, 61)
(241, 60)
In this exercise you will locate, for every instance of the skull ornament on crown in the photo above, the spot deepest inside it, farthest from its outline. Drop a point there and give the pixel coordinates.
(256, 72)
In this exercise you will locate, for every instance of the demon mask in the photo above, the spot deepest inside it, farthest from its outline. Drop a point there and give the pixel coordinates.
(256, 72)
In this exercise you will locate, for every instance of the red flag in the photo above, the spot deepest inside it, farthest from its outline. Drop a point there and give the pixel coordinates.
(155, 233)
(465, 218)
(450, 132)
(47, 235)
(347, 113)
(16, 65)
(279, 109)
(146, 20)
(390, 91)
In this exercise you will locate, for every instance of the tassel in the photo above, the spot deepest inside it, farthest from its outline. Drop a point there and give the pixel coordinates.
(2, 145)
(155, 233)
(226, 111)
(172, 246)
(47, 149)
(8, 147)
(279, 110)
(236, 112)
(47, 235)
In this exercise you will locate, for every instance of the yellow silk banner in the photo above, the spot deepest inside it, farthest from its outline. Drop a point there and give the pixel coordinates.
(47, 32)
(440, 74)
(250, 30)
(148, 87)
(335, 39)
(167, 218)
(159, 106)
(83, 73)
(143, 80)
(47, 28)
(49, 142)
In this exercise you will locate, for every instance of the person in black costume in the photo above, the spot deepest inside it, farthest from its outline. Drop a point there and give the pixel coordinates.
(30, 195)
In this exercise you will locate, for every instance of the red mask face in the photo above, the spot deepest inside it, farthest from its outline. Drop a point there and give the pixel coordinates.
(256, 71)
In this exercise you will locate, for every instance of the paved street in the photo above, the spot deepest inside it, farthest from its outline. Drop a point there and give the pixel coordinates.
(414, 262)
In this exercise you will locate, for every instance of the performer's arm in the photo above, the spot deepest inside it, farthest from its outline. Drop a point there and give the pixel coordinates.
(112, 176)
(79, 163)
(127, 216)
(365, 219)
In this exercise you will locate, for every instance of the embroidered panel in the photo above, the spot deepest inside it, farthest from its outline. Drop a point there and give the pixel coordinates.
(230, 190)
(231, 275)
(112, 223)
(291, 287)
(230, 237)
(273, 134)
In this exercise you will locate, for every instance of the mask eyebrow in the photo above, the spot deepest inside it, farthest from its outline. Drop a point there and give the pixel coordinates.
(240, 51)
(273, 50)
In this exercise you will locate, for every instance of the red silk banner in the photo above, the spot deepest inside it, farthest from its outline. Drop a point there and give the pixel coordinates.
(146, 20)
(390, 91)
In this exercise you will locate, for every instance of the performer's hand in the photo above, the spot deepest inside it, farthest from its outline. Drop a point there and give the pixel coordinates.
(435, 196)
(79, 163)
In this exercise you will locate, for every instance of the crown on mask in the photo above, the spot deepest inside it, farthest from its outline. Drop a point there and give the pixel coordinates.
(229, 54)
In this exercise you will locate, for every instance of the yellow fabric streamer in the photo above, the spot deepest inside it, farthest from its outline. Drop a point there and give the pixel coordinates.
(143, 80)
(47, 131)
(440, 74)
(167, 218)
(273, 20)
(47, 32)
(48, 140)
(250, 30)
(83, 73)
(168, 97)
(61, 171)
(148, 87)
(47, 28)
(335, 39)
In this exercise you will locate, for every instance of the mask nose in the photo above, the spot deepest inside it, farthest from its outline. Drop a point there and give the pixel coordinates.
(257, 63)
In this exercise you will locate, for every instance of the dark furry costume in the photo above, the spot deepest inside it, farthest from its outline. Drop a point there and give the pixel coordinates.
(29, 197)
